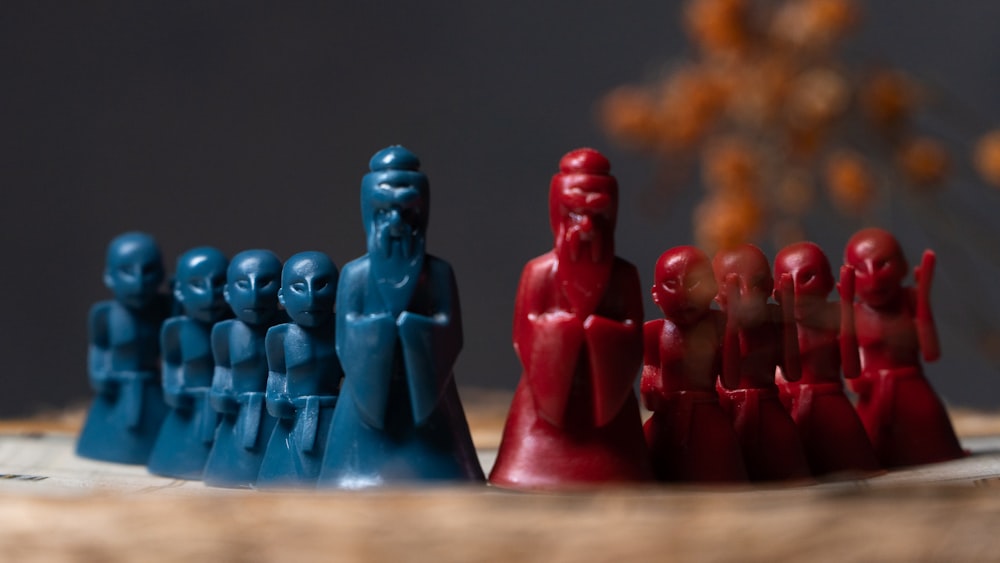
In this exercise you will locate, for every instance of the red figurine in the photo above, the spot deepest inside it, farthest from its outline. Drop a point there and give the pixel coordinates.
(831, 432)
(578, 334)
(905, 420)
(754, 345)
(689, 435)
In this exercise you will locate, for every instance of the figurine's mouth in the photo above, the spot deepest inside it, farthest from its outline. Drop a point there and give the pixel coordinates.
(580, 241)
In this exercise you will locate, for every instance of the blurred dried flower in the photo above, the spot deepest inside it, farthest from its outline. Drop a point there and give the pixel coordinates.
(814, 24)
(730, 166)
(627, 114)
(816, 97)
(719, 27)
(796, 193)
(888, 98)
(724, 221)
(987, 157)
(787, 232)
(923, 161)
(690, 102)
(850, 181)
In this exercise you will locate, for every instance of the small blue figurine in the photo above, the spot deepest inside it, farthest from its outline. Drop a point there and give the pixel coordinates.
(240, 379)
(399, 331)
(304, 373)
(123, 355)
(189, 429)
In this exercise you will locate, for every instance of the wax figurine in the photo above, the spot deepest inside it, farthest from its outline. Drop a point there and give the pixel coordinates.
(123, 355)
(905, 420)
(578, 334)
(754, 346)
(832, 435)
(240, 378)
(303, 373)
(187, 434)
(689, 435)
(399, 331)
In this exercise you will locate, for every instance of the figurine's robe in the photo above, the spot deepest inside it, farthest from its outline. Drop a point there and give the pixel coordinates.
(128, 409)
(188, 431)
(238, 395)
(575, 419)
(832, 434)
(399, 418)
(304, 374)
(690, 437)
(771, 443)
(904, 418)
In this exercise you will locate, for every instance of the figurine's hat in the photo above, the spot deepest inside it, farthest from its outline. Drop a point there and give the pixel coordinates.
(583, 180)
(395, 175)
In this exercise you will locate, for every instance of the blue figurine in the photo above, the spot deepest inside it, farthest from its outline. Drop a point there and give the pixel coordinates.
(304, 373)
(123, 355)
(189, 429)
(240, 379)
(399, 331)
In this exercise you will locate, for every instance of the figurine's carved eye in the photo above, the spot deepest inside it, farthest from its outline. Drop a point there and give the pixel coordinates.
(298, 287)
(693, 282)
(243, 285)
(807, 277)
(125, 272)
(671, 284)
(882, 264)
(265, 284)
(320, 284)
(198, 284)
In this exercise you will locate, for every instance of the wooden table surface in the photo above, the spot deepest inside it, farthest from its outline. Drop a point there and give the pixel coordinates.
(832, 522)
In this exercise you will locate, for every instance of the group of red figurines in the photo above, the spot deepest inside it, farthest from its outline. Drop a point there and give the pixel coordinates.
(751, 390)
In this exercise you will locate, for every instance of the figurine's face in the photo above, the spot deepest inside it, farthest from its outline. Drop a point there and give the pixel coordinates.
(684, 285)
(201, 276)
(134, 270)
(752, 271)
(586, 221)
(879, 266)
(252, 285)
(809, 270)
(397, 221)
(309, 290)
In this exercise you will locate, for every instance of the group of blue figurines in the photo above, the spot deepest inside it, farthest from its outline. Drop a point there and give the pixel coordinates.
(293, 375)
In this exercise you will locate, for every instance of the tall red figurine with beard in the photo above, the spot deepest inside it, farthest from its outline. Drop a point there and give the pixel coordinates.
(905, 420)
(578, 334)
(754, 345)
(832, 435)
(689, 435)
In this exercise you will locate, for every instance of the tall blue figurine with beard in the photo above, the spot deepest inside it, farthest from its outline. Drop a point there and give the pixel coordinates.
(399, 330)
(189, 430)
(123, 355)
(304, 373)
(240, 378)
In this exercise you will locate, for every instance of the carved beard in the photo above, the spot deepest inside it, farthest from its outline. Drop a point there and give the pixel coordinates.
(396, 263)
(584, 267)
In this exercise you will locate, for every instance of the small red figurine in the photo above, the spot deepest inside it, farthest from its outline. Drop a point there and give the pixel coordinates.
(754, 345)
(578, 334)
(905, 420)
(832, 434)
(689, 435)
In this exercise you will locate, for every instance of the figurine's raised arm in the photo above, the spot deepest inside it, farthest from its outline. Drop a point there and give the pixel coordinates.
(731, 356)
(222, 397)
(850, 358)
(99, 349)
(174, 393)
(791, 368)
(926, 329)
(651, 385)
(276, 397)
(431, 343)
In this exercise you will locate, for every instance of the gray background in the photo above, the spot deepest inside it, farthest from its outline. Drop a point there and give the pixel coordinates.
(242, 124)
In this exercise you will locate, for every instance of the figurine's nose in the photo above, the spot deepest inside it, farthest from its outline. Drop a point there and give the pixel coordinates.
(395, 221)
